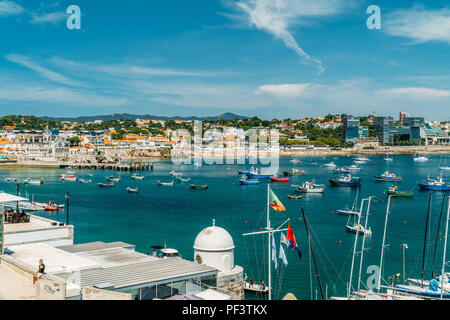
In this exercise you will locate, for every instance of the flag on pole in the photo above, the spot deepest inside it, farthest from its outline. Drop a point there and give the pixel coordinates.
(292, 244)
(274, 202)
(274, 252)
(283, 239)
(283, 255)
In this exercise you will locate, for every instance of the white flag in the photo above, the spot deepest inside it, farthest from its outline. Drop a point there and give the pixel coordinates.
(283, 255)
(283, 239)
(274, 252)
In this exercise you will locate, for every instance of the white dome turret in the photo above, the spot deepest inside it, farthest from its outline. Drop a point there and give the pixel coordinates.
(215, 247)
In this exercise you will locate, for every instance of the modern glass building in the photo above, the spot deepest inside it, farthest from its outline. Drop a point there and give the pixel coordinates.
(352, 130)
(411, 129)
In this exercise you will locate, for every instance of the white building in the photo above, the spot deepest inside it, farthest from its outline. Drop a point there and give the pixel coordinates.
(214, 247)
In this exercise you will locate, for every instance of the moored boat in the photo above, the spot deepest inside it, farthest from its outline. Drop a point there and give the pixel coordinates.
(85, 181)
(33, 181)
(247, 182)
(294, 172)
(388, 177)
(277, 179)
(197, 187)
(346, 181)
(131, 190)
(393, 191)
(113, 179)
(434, 185)
(169, 184)
(106, 185)
(137, 177)
(295, 197)
(359, 228)
(311, 187)
(330, 165)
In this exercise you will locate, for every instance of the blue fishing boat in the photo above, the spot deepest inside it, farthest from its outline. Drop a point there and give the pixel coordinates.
(346, 181)
(388, 177)
(254, 174)
(131, 190)
(246, 182)
(106, 185)
(434, 185)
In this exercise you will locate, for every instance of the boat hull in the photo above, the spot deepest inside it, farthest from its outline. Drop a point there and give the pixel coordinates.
(428, 187)
(338, 183)
(248, 183)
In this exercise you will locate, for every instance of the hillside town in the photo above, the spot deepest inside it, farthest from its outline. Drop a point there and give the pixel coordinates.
(31, 140)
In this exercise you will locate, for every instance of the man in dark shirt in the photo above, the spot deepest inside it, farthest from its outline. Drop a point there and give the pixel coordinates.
(40, 272)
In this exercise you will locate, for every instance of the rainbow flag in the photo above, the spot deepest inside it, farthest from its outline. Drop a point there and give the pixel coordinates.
(274, 202)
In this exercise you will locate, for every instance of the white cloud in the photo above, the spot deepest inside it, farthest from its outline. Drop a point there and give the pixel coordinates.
(46, 73)
(285, 90)
(277, 16)
(9, 8)
(419, 24)
(53, 18)
(417, 93)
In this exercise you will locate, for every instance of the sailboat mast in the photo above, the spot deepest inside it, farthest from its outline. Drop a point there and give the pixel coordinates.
(363, 242)
(270, 244)
(312, 254)
(445, 249)
(437, 235)
(425, 238)
(384, 240)
(354, 249)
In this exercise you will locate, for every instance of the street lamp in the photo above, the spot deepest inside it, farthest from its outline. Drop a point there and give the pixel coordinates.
(67, 208)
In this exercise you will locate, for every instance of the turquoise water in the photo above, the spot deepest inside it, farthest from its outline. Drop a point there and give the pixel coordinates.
(175, 215)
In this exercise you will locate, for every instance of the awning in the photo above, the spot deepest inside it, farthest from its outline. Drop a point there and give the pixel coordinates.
(6, 197)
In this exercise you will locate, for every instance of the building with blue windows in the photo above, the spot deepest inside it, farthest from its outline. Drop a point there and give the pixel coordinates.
(412, 129)
(352, 129)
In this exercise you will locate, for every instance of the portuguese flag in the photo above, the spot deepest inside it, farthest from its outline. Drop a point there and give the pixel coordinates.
(274, 202)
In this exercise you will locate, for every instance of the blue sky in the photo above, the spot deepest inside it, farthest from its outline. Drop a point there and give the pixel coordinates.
(270, 58)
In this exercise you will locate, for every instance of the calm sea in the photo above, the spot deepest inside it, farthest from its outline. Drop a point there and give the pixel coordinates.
(175, 215)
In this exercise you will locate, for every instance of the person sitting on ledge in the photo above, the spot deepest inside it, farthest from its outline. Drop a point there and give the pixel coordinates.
(40, 272)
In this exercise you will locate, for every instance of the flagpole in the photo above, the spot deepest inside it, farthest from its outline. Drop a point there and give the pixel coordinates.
(270, 243)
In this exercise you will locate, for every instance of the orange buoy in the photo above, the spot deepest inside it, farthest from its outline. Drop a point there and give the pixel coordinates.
(340, 242)
(245, 221)
(404, 222)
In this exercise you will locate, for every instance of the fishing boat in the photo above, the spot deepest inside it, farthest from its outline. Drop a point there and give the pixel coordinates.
(247, 182)
(85, 181)
(295, 161)
(106, 185)
(295, 197)
(388, 176)
(294, 172)
(175, 174)
(346, 181)
(113, 179)
(33, 181)
(359, 228)
(341, 170)
(393, 191)
(330, 165)
(137, 177)
(69, 178)
(353, 167)
(277, 179)
(311, 187)
(353, 211)
(437, 184)
(168, 184)
(362, 159)
(131, 190)
(197, 187)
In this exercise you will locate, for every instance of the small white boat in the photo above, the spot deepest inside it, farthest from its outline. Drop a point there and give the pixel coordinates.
(175, 174)
(295, 161)
(169, 184)
(69, 178)
(359, 228)
(446, 168)
(112, 179)
(137, 177)
(11, 179)
(330, 165)
(34, 181)
(353, 167)
(388, 158)
(256, 288)
(85, 181)
(419, 158)
(362, 159)
(184, 179)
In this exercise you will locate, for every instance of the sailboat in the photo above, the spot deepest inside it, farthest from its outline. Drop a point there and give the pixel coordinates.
(354, 209)
(357, 227)
(445, 166)
(388, 158)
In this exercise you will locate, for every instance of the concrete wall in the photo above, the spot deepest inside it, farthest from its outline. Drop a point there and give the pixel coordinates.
(91, 293)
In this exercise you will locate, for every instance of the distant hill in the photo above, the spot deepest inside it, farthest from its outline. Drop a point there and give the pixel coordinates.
(127, 116)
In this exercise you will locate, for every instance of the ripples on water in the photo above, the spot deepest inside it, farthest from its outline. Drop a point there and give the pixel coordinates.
(175, 215)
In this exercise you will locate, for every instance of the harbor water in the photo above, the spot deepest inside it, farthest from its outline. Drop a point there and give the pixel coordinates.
(173, 216)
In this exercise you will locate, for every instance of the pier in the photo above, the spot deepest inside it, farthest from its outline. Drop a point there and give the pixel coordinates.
(137, 166)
